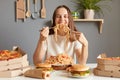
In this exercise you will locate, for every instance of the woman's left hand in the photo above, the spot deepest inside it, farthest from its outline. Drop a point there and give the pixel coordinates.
(80, 37)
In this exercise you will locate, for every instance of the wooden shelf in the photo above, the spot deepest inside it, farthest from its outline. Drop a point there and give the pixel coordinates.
(101, 21)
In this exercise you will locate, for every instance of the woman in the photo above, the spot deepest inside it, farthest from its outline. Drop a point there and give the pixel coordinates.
(48, 45)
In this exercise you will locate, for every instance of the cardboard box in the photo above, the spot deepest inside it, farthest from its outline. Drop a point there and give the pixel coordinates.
(107, 67)
(18, 65)
(14, 67)
(16, 60)
(101, 60)
(109, 62)
(106, 73)
(3, 68)
(2, 63)
(13, 73)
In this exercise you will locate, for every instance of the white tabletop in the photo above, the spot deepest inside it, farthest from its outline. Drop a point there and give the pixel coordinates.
(63, 75)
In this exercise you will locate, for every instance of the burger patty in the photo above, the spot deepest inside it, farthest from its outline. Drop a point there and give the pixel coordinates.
(81, 73)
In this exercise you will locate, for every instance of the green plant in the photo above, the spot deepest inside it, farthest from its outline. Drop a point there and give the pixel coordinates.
(96, 5)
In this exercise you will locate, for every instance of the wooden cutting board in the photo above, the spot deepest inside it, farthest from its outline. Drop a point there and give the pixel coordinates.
(20, 10)
(43, 9)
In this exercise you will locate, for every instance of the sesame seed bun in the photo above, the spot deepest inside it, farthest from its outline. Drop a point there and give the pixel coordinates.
(60, 67)
(79, 67)
(43, 65)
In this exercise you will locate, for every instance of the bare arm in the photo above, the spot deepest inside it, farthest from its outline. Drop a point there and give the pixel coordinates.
(39, 51)
(82, 53)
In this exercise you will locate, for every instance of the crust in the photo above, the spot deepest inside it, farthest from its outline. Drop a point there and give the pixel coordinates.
(45, 75)
(79, 67)
(64, 67)
(36, 73)
(43, 65)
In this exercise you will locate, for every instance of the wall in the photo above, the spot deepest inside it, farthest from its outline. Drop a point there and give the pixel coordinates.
(26, 34)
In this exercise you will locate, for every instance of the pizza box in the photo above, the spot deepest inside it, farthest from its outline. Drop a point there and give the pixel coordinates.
(101, 60)
(24, 69)
(16, 60)
(108, 67)
(14, 66)
(18, 65)
(13, 73)
(3, 68)
(5, 62)
(98, 72)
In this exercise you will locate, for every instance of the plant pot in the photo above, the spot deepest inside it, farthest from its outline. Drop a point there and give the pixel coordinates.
(89, 14)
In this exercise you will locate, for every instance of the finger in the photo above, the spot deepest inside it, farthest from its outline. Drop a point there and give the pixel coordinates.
(44, 28)
(45, 32)
(76, 32)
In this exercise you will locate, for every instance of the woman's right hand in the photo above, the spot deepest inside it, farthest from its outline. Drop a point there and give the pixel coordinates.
(44, 33)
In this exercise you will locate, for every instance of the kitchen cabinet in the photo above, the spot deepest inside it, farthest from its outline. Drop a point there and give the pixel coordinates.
(100, 21)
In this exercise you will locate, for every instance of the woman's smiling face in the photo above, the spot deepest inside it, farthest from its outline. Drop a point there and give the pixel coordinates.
(61, 16)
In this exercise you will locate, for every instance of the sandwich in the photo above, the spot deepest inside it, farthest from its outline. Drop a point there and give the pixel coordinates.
(78, 70)
(37, 73)
(44, 66)
(41, 71)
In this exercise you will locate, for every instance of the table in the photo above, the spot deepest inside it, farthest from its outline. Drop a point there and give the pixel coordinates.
(63, 75)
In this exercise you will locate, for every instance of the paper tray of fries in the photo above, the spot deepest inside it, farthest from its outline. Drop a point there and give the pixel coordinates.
(107, 66)
(13, 62)
(18, 55)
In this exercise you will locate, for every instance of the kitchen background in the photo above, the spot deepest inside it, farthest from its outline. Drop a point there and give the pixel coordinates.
(25, 34)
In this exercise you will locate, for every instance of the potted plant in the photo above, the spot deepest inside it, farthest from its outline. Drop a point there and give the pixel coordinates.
(91, 7)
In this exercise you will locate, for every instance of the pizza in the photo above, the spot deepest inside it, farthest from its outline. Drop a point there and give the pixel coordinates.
(9, 54)
(62, 58)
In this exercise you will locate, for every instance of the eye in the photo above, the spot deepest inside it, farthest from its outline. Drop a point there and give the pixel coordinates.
(58, 16)
(65, 16)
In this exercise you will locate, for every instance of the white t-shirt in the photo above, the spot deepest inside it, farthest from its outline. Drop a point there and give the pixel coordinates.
(53, 48)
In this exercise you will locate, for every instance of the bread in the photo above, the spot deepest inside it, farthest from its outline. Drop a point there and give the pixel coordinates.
(78, 70)
(61, 67)
(79, 67)
(44, 66)
(37, 73)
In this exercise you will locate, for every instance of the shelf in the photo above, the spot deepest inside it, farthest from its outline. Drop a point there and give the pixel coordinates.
(101, 21)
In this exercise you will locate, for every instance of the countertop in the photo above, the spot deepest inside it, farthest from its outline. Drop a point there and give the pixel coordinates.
(63, 75)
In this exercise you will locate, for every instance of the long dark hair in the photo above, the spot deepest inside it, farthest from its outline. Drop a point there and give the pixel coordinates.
(71, 22)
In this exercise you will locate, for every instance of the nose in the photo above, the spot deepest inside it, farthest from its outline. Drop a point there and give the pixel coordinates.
(62, 19)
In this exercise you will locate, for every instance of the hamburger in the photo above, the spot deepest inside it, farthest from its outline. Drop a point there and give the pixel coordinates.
(78, 70)
(44, 66)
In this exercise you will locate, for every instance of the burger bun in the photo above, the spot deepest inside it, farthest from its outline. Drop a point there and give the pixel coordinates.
(79, 67)
(43, 65)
